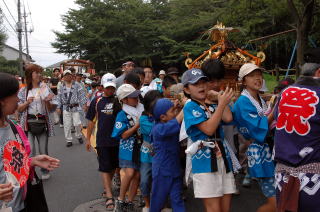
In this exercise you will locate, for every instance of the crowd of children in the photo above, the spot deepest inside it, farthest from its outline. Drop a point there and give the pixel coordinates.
(142, 134)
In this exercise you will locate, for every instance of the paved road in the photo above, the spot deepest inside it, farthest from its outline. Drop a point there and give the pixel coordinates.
(77, 184)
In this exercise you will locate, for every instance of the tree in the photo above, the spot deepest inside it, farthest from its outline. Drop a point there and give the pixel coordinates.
(303, 12)
(3, 35)
(112, 31)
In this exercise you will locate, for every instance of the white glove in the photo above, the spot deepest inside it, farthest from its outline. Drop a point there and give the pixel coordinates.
(209, 144)
(193, 148)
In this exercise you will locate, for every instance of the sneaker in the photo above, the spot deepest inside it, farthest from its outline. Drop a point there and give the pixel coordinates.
(61, 125)
(69, 144)
(45, 176)
(120, 206)
(130, 206)
(80, 140)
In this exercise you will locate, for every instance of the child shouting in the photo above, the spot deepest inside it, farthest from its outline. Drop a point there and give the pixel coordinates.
(126, 129)
(166, 173)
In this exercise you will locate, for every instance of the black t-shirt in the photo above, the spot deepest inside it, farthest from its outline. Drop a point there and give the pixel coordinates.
(54, 82)
(108, 108)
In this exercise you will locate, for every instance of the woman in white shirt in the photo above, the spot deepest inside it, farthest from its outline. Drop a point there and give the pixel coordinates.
(36, 101)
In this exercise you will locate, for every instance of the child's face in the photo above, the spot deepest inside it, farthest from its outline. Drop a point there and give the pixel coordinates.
(170, 114)
(109, 91)
(197, 91)
(133, 102)
(166, 92)
(213, 85)
(254, 80)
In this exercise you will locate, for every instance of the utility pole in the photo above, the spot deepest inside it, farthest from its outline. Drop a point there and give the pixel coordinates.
(26, 31)
(19, 30)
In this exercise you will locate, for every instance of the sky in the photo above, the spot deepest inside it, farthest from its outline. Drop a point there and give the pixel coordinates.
(44, 18)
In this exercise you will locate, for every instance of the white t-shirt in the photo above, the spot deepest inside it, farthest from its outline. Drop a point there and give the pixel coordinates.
(39, 94)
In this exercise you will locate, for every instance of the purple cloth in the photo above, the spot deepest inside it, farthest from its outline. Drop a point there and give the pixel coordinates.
(297, 134)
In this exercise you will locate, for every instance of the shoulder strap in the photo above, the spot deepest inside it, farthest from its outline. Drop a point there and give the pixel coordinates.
(70, 93)
(15, 132)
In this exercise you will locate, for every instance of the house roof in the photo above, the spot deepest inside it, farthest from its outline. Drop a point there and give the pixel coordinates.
(25, 54)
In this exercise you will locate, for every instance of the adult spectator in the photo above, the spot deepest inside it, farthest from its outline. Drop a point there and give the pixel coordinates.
(162, 74)
(54, 81)
(36, 102)
(140, 72)
(87, 88)
(297, 142)
(71, 100)
(127, 67)
(148, 75)
(174, 72)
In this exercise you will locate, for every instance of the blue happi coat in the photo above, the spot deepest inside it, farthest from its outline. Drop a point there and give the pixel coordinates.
(252, 123)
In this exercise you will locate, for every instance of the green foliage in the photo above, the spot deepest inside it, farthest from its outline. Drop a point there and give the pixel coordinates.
(112, 31)
(9, 66)
(3, 35)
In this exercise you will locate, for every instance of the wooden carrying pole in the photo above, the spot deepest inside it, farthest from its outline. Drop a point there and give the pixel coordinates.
(270, 36)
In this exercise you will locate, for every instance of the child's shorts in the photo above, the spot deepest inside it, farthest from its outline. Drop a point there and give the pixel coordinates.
(267, 186)
(108, 158)
(128, 164)
(214, 184)
(145, 178)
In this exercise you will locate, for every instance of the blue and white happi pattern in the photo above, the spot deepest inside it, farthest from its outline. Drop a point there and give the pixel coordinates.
(195, 114)
(126, 145)
(249, 117)
(78, 97)
(146, 124)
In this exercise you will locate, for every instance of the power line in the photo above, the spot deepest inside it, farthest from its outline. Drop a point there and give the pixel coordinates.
(12, 33)
(29, 13)
(9, 22)
(9, 11)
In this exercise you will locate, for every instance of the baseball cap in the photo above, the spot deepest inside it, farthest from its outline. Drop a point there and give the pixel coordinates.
(65, 72)
(247, 69)
(173, 70)
(127, 90)
(128, 63)
(192, 76)
(161, 107)
(162, 72)
(108, 80)
(88, 81)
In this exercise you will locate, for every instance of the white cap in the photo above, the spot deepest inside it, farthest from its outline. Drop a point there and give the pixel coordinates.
(127, 90)
(88, 81)
(108, 80)
(67, 72)
(162, 72)
(86, 74)
(247, 69)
